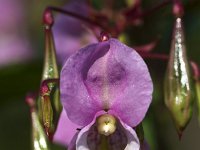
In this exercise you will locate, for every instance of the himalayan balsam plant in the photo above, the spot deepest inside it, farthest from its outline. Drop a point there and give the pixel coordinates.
(101, 94)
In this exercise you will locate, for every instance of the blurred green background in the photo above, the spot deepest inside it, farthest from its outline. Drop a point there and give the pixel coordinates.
(19, 77)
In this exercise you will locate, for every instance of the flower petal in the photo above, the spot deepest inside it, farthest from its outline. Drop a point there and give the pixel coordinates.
(65, 130)
(89, 139)
(81, 141)
(133, 140)
(72, 145)
(78, 103)
(106, 76)
(121, 82)
(131, 98)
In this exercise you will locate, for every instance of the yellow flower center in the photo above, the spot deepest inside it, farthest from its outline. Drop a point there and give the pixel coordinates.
(106, 124)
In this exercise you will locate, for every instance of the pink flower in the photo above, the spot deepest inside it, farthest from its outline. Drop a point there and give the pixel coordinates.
(106, 89)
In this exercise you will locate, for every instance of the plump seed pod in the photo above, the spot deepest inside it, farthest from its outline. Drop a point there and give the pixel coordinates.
(39, 139)
(49, 106)
(47, 115)
(178, 85)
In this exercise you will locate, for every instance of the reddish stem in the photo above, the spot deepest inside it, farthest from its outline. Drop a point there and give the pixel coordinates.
(77, 16)
(48, 17)
(31, 100)
(138, 14)
(134, 14)
(52, 80)
(178, 9)
(154, 56)
(195, 68)
(147, 47)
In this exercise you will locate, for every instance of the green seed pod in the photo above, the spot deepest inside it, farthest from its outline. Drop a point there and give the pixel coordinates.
(39, 140)
(178, 85)
(49, 106)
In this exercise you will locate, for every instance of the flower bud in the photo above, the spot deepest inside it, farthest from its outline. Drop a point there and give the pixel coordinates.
(49, 106)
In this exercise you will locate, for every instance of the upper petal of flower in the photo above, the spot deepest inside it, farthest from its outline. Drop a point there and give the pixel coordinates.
(134, 94)
(106, 76)
(76, 99)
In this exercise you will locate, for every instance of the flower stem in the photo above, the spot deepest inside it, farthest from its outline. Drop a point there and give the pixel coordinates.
(195, 68)
(77, 16)
(178, 9)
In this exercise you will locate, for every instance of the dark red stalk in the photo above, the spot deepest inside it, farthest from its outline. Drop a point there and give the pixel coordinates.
(30, 100)
(134, 14)
(131, 15)
(77, 16)
(165, 57)
(178, 9)
(48, 17)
